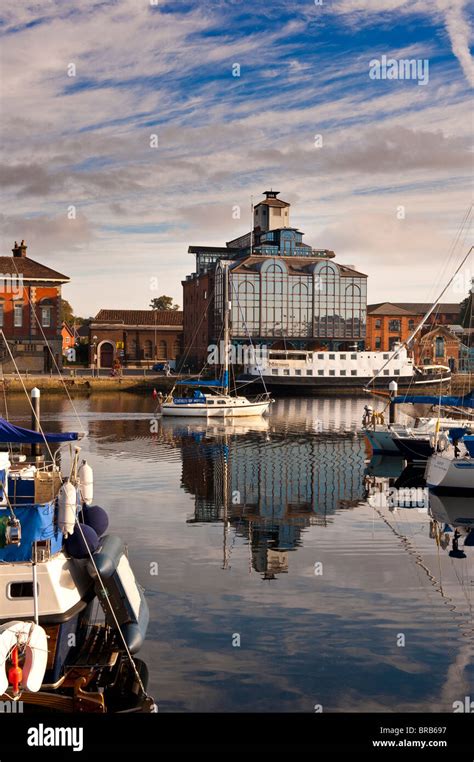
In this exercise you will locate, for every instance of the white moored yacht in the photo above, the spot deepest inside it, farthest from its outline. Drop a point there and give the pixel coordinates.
(219, 403)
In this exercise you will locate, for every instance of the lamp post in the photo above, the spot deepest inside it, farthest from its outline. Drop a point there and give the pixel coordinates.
(94, 354)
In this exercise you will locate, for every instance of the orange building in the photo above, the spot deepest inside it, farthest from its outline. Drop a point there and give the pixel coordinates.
(392, 322)
(68, 337)
(30, 313)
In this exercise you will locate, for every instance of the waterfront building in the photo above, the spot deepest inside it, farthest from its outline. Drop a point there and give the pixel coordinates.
(284, 293)
(390, 323)
(135, 338)
(440, 346)
(30, 313)
(69, 338)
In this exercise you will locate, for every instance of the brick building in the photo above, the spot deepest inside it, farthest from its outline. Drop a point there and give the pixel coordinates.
(198, 322)
(283, 292)
(69, 338)
(30, 313)
(136, 338)
(392, 322)
(438, 347)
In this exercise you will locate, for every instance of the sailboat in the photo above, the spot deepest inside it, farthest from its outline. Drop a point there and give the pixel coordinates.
(421, 443)
(59, 567)
(212, 398)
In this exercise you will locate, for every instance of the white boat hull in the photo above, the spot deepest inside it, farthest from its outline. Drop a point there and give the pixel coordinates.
(452, 475)
(201, 410)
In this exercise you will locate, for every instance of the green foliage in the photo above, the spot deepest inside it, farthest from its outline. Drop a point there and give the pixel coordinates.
(163, 303)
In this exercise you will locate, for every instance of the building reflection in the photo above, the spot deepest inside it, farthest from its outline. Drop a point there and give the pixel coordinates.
(266, 487)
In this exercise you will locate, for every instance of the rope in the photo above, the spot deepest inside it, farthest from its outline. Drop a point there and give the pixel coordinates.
(106, 597)
(33, 311)
(38, 422)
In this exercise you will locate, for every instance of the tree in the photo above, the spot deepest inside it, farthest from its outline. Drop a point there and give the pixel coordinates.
(67, 313)
(466, 309)
(163, 303)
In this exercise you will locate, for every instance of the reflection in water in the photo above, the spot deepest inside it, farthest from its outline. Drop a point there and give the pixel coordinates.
(211, 503)
(268, 487)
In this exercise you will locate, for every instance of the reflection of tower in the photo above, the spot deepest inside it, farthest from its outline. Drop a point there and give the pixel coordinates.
(269, 490)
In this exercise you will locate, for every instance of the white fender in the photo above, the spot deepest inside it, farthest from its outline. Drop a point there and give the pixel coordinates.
(67, 508)
(86, 482)
(33, 639)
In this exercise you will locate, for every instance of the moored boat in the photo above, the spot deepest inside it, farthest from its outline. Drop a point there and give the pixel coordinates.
(59, 567)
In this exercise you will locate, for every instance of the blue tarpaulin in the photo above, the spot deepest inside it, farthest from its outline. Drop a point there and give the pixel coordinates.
(18, 435)
(467, 401)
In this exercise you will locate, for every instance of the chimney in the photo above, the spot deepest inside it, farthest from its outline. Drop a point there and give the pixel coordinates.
(19, 250)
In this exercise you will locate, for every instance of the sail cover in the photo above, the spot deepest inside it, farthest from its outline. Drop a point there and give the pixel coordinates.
(467, 401)
(18, 435)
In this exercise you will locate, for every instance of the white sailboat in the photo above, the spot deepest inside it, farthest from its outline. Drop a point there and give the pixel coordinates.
(216, 401)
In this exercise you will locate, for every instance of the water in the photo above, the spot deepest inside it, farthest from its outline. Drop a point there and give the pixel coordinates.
(285, 582)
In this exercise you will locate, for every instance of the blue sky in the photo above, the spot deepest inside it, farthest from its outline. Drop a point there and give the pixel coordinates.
(93, 198)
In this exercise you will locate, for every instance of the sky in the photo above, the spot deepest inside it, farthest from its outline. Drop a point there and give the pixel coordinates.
(132, 129)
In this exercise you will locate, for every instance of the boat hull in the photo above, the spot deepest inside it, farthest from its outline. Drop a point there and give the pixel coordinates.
(414, 449)
(381, 441)
(454, 476)
(337, 384)
(201, 411)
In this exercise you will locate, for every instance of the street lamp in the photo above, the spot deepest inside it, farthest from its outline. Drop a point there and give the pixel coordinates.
(94, 355)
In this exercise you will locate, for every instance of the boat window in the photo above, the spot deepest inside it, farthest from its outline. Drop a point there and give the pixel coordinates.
(210, 402)
(320, 357)
(386, 372)
(397, 372)
(343, 373)
(353, 357)
(332, 372)
(275, 371)
(309, 372)
(297, 372)
(343, 357)
(385, 357)
(221, 402)
(286, 372)
(20, 590)
(320, 372)
(353, 373)
(332, 357)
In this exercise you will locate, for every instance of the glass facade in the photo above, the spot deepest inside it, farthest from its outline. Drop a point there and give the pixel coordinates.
(271, 300)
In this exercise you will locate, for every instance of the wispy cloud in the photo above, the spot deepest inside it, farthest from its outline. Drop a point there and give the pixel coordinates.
(167, 71)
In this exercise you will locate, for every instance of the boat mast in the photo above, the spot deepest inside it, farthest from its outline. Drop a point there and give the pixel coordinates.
(225, 384)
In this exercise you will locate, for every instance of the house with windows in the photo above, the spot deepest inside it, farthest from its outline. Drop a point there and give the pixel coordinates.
(30, 313)
(69, 338)
(440, 346)
(389, 323)
(135, 338)
(284, 293)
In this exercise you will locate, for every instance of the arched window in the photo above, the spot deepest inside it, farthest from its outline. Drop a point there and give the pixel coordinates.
(176, 348)
(439, 346)
(147, 349)
(46, 311)
(162, 350)
(275, 268)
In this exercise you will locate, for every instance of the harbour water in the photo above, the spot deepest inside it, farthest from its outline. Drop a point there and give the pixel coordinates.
(279, 577)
